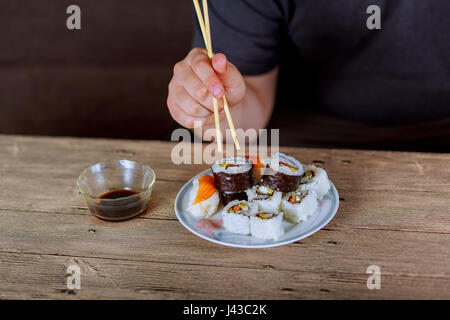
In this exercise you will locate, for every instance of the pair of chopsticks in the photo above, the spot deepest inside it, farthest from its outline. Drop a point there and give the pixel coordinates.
(206, 32)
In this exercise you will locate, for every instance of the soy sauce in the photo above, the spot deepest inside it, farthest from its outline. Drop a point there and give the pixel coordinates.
(117, 194)
(127, 203)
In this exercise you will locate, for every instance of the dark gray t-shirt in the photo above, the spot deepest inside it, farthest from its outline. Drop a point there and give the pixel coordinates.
(331, 61)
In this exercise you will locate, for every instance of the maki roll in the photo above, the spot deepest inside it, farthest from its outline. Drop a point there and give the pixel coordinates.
(299, 205)
(268, 200)
(236, 216)
(227, 197)
(316, 179)
(282, 173)
(204, 198)
(266, 225)
(233, 174)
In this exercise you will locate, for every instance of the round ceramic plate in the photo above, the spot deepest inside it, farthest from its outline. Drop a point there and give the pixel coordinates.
(211, 229)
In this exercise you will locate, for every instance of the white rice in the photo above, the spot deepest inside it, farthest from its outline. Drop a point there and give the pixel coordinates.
(297, 212)
(243, 165)
(274, 163)
(238, 222)
(318, 183)
(266, 203)
(268, 228)
(203, 209)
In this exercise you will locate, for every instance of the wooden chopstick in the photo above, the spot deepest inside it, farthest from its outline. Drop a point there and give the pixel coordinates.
(207, 28)
(206, 32)
(202, 25)
(230, 122)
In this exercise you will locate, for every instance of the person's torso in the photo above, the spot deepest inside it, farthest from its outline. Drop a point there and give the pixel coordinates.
(399, 73)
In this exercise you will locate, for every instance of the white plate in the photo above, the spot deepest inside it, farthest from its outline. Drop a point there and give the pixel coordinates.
(211, 230)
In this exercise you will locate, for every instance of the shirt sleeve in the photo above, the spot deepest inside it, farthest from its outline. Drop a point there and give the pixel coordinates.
(246, 31)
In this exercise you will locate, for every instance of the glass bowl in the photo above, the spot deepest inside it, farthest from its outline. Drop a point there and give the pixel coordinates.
(117, 190)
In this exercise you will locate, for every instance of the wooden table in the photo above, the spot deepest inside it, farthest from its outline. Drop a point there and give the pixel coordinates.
(394, 213)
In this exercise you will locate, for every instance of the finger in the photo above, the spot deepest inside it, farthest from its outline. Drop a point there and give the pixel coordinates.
(182, 117)
(194, 53)
(201, 66)
(189, 104)
(194, 86)
(229, 75)
(227, 72)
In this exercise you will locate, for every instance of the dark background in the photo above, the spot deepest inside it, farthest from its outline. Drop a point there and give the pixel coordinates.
(110, 78)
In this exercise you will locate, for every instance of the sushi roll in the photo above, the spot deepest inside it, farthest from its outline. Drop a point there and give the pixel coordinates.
(282, 173)
(204, 198)
(268, 200)
(315, 179)
(299, 205)
(227, 197)
(266, 225)
(233, 174)
(236, 216)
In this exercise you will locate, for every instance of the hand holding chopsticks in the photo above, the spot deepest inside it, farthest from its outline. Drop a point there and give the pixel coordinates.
(206, 33)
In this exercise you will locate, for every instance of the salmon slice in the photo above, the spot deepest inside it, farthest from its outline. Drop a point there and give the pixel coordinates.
(206, 188)
(257, 163)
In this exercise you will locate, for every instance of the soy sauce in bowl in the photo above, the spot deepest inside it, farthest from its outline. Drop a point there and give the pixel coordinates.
(117, 190)
(118, 205)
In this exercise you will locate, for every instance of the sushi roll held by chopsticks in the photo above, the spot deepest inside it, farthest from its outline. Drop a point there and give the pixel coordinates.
(299, 205)
(236, 216)
(204, 198)
(233, 176)
(266, 225)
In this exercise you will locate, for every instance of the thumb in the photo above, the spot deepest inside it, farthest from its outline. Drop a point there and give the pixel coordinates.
(227, 73)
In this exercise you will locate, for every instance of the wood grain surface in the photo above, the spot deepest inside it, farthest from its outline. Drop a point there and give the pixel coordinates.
(394, 212)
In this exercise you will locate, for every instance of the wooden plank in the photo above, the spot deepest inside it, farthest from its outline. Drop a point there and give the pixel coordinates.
(425, 212)
(59, 199)
(393, 213)
(350, 169)
(29, 276)
(371, 209)
(336, 248)
(26, 168)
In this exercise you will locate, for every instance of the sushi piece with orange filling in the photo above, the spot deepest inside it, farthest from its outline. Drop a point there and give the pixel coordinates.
(236, 216)
(204, 197)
